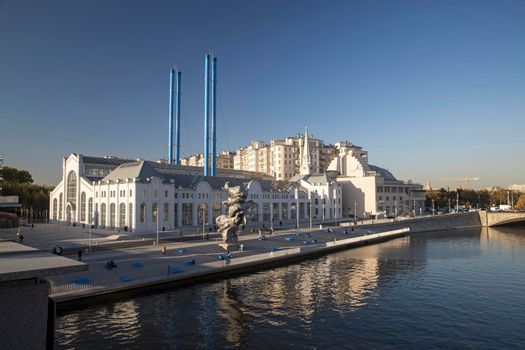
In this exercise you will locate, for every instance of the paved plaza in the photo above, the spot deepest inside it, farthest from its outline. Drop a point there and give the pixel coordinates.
(139, 260)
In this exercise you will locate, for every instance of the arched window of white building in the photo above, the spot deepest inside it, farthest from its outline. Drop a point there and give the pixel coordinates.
(143, 212)
(55, 208)
(112, 209)
(130, 215)
(60, 200)
(90, 210)
(72, 188)
(166, 212)
(103, 214)
(122, 215)
(203, 213)
(154, 212)
(254, 212)
(83, 207)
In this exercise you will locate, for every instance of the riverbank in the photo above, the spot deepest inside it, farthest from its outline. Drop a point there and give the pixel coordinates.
(141, 269)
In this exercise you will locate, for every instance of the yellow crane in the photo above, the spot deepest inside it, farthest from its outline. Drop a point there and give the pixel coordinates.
(459, 180)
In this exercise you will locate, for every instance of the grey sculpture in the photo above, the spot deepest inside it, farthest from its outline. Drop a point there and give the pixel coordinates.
(229, 224)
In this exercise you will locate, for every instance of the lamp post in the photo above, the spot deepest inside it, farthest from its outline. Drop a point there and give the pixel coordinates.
(323, 211)
(355, 213)
(479, 201)
(395, 210)
(271, 216)
(203, 221)
(449, 208)
(311, 219)
(322, 207)
(297, 207)
(90, 237)
(457, 201)
(432, 207)
(157, 215)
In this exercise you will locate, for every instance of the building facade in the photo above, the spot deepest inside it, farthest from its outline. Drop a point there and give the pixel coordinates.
(139, 195)
(371, 191)
(143, 196)
(282, 158)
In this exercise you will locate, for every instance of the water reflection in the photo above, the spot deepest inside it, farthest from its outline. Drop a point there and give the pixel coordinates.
(119, 321)
(442, 289)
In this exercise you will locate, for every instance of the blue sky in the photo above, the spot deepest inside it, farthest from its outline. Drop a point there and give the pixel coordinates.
(430, 88)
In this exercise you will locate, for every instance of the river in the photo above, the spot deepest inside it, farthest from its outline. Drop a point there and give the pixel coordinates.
(446, 289)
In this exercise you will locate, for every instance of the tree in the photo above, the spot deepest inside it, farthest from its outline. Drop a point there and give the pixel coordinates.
(14, 175)
(20, 183)
(520, 204)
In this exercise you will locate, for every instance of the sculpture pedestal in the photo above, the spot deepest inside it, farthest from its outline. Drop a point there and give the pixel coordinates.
(229, 246)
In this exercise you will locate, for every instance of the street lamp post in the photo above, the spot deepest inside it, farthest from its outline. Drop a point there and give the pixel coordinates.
(449, 208)
(479, 201)
(271, 216)
(90, 237)
(157, 213)
(457, 201)
(355, 213)
(432, 207)
(203, 221)
(297, 207)
(322, 206)
(311, 218)
(395, 210)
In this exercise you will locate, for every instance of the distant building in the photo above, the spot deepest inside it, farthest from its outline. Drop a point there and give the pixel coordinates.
(517, 187)
(369, 190)
(279, 158)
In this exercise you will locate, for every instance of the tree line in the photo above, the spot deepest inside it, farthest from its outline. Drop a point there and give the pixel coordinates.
(475, 198)
(33, 198)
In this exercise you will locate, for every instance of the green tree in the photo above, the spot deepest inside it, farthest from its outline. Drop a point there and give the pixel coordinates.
(520, 204)
(30, 196)
(14, 175)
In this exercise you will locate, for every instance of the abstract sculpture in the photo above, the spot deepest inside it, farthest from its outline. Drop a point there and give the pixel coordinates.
(229, 224)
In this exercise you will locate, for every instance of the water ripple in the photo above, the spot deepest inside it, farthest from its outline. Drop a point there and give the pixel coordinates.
(460, 289)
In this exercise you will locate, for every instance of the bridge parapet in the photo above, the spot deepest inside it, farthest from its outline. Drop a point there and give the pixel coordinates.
(491, 218)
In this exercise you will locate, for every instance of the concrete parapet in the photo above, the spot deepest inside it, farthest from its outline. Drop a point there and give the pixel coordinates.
(490, 218)
(431, 223)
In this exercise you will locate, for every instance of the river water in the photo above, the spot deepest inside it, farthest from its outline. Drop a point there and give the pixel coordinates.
(450, 289)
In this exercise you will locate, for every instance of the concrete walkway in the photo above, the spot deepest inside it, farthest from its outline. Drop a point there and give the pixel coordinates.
(146, 265)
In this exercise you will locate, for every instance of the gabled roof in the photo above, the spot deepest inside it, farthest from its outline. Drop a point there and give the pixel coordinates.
(313, 179)
(106, 160)
(182, 177)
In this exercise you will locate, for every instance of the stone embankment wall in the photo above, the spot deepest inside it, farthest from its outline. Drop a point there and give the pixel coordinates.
(489, 218)
(431, 223)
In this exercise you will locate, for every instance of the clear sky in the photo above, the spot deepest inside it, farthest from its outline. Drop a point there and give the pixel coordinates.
(430, 88)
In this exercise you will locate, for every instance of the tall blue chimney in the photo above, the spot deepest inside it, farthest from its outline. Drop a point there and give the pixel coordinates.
(214, 118)
(177, 120)
(170, 149)
(206, 115)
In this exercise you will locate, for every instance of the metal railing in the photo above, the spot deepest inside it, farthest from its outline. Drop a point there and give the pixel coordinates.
(68, 287)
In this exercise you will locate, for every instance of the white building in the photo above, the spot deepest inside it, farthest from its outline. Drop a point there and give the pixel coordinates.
(141, 196)
(371, 191)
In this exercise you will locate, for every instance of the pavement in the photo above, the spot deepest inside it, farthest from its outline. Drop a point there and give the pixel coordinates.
(147, 263)
(139, 260)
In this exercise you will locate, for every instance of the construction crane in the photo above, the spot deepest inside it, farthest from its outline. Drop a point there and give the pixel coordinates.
(461, 179)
